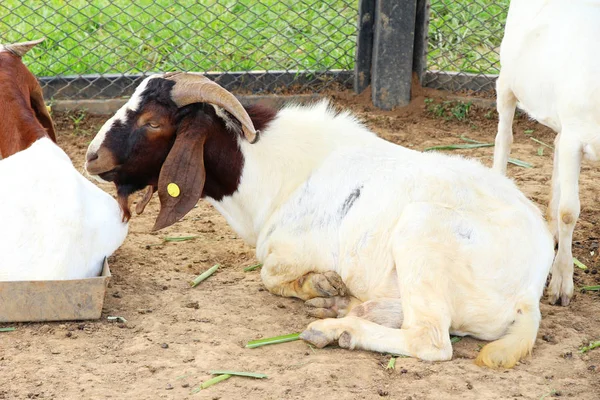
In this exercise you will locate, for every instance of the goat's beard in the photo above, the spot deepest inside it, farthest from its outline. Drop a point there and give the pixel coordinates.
(123, 200)
(124, 192)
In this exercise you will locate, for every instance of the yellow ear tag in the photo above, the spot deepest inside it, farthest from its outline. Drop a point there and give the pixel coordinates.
(173, 190)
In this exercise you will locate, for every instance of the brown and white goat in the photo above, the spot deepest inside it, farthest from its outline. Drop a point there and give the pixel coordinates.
(407, 247)
(23, 114)
(54, 223)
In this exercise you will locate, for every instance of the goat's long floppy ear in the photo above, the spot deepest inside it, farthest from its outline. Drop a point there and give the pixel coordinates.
(181, 177)
(41, 112)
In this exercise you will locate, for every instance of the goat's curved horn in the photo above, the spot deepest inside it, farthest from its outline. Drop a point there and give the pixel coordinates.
(195, 88)
(19, 49)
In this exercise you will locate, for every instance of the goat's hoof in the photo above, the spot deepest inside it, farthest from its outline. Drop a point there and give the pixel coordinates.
(320, 312)
(560, 290)
(329, 284)
(321, 307)
(559, 299)
(315, 337)
(327, 307)
(345, 341)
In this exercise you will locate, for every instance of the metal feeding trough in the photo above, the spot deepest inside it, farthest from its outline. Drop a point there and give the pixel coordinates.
(58, 300)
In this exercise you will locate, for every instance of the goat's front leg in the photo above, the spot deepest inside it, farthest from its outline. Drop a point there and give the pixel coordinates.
(506, 105)
(552, 211)
(569, 164)
(283, 277)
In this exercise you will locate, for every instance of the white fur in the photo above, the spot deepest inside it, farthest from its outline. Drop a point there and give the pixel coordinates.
(462, 246)
(550, 65)
(55, 224)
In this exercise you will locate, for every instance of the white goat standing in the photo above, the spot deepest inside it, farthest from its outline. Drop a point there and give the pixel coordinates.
(550, 64)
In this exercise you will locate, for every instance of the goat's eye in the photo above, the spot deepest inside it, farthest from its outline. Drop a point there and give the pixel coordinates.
(153, 125)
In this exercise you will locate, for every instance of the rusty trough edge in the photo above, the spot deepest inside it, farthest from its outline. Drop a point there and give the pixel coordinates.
(54, 300)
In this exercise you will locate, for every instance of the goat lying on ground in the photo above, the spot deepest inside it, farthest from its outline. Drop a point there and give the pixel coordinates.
(55, 223)
(340, 217)
(550, 67)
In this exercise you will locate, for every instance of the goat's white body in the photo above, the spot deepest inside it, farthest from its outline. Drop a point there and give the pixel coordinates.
(549, 66)
(54, 223)
(320, 192)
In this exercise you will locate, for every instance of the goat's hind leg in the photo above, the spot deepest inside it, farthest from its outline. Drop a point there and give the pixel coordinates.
(506, 103)
(427, 337)
(426, 320)
(569, 165)
(385, 312)
(552, 210)
(352, 332)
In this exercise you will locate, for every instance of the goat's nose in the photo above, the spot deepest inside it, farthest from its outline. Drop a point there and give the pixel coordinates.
(91, 156)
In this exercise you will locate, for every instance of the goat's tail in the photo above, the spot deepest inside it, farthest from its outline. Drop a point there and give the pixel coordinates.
(516, 344)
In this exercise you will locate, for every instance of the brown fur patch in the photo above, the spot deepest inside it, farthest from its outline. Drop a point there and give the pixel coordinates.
(23, 114)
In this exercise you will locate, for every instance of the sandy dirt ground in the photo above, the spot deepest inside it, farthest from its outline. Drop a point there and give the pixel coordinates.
(174, 334)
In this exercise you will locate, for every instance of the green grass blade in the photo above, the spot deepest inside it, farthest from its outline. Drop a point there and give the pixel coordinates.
(540, 151)
(273, 340)
(248, 374)
(210, 382)
(455, 339)
(466, 139)
(520, 163)
(204, 275)
(592, 288)
(459, 146)
(392, 363)
(579, 264)
(591, 346)
(252, 267)
(542, 143)
(9, 329)
(179, 238)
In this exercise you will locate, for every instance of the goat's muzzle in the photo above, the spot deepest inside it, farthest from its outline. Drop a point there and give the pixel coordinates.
(101, 163)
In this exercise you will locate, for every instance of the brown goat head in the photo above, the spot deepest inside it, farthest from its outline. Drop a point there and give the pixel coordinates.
(24, 117)
(173, 137)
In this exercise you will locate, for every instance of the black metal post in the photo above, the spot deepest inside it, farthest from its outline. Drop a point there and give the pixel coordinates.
(392, 63)
(364, 45)
(421, 36)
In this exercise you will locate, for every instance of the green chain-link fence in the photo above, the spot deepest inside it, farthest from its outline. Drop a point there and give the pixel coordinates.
(101, 48)
(464, 42)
